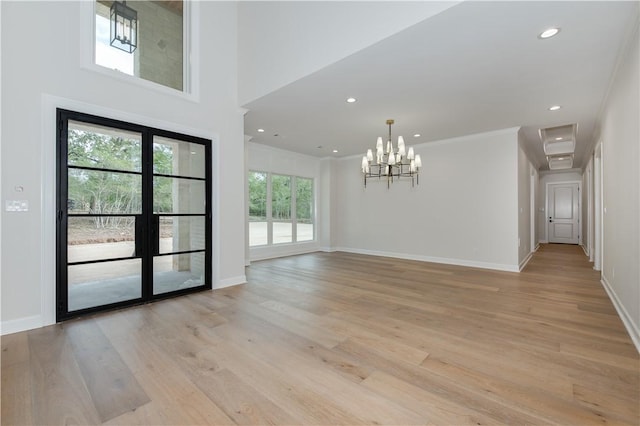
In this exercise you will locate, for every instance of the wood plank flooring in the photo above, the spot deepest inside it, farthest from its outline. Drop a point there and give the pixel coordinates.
(338, 338)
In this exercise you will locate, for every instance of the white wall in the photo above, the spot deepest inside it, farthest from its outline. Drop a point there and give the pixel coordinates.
(462, 212)
(570, 175)
(525, 171)
(42, 70)
(313, 34)
(325, 203)
(263, 158)
(620, 135)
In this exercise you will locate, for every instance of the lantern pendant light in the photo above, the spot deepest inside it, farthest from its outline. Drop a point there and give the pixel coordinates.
(124, 27)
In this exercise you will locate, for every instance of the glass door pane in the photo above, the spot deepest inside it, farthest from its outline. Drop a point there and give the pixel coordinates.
(103, 215)
(180, 215)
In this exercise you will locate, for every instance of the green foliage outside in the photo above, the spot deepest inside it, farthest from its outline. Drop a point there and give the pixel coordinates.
(304, 200)
(257, 196)
(99, 192)
(280, 198)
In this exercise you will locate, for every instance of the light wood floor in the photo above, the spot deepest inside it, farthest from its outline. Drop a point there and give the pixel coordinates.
(336, 338)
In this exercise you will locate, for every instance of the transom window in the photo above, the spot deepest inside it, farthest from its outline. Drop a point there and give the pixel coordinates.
(161, 44)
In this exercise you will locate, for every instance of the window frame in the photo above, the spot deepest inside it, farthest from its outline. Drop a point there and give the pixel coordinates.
(293, 211)
(190, 53)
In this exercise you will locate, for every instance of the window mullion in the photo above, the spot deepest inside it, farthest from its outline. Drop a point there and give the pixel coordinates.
(269, 212)
(294, 217)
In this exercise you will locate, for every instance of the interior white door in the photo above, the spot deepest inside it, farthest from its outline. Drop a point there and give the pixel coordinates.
(564, 213)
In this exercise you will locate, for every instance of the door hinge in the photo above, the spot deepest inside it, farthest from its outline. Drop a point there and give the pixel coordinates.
(59, 215)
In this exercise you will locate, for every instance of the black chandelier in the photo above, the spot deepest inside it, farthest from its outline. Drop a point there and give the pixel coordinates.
(391, 164)
(124, 27)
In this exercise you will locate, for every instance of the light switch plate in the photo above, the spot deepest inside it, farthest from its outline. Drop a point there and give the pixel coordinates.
(16, 205)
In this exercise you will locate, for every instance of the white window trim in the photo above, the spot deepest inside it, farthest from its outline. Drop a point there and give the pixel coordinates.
(191, 53)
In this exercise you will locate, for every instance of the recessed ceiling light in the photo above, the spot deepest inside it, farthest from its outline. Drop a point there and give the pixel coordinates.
(193, 153)
(335, 150)
(417, 135)
(548, 33)
(260, 130)
(351, 100)
(561, 158)
(555, 108)
(558, 138)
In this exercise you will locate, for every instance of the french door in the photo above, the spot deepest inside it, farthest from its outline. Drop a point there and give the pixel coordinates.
(134, 214)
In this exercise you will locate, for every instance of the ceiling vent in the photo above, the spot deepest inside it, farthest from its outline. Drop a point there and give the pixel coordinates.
(559, 144)
(559, 163)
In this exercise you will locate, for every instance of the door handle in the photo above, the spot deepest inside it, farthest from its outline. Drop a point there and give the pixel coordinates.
(137, 252)
(550, 220)
(155, 234)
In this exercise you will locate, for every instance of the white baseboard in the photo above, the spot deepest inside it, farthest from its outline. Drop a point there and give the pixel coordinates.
(584, 249)
(543, 242)
(264, 253)
(21, 324)
(537, 247)
(632, 328)
(228, 282)
(444, 260)
(327, 249)
(525, 261)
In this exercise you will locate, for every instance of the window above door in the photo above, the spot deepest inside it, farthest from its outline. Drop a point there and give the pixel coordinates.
(163, 46)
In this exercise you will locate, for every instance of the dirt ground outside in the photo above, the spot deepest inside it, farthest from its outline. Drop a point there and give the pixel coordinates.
(83, 230)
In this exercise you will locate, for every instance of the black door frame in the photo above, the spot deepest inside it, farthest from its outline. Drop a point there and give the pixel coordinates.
(145, 226)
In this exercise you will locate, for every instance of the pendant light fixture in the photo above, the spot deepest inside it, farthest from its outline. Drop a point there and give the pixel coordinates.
(124, 27)
(389, 163)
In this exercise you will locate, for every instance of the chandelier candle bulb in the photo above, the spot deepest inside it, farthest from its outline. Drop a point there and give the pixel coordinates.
(412, 166)
(369, 155)
(418, 161)
(379, 144)
(401, 149)
(410, 154)
(365, 164)
(392, 159)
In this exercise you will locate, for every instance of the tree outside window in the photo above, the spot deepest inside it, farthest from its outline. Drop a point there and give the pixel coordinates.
(280, 209)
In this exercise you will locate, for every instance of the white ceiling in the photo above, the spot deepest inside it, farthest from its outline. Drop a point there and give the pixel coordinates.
(476, 67)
